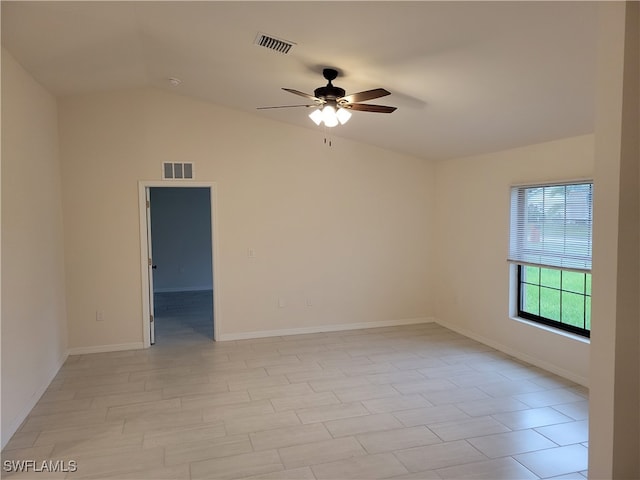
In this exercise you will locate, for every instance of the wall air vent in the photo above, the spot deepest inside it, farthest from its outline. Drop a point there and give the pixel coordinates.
(177, 171)
(273, 43)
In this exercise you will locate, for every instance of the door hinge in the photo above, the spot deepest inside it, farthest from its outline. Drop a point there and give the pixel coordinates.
(151, 318)
(149, 261)
(148, 204)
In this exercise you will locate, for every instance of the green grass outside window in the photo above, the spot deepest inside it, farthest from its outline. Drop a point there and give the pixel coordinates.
(561, 296)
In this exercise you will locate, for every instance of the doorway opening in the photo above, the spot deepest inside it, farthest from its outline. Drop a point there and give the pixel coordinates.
(179, 294)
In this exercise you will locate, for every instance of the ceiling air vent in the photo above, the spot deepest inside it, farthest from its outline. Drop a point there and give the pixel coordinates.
(273, 43)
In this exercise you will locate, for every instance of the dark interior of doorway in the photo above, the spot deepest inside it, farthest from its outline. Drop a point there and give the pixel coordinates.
(181, 246)
(183, 315)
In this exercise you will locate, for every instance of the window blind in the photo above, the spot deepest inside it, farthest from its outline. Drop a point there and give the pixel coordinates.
(551, 225)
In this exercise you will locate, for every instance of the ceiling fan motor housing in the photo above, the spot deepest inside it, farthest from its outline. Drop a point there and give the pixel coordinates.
(329, 92)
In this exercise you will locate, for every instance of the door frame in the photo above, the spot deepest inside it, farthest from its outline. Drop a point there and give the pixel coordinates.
(143, 185)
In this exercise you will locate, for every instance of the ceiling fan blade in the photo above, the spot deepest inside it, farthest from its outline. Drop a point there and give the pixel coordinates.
(286, 106)
(363, 107)
(302, 94)
(364, 96)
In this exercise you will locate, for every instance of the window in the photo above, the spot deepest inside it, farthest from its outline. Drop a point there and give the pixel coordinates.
(550, 242)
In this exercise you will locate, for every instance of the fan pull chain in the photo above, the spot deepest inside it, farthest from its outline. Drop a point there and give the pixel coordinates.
(327, 138)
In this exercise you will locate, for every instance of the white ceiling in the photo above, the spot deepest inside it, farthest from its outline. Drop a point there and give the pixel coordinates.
(467, 77)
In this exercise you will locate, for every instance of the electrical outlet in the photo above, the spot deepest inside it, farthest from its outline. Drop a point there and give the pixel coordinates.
(309, 302)
(281, 303)
(99, 316)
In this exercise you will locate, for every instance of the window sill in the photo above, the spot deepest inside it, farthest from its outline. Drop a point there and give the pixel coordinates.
(556, 331)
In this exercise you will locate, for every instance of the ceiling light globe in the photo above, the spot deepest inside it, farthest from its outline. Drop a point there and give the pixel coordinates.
(316, 116)
(329, 116)
(343, 115)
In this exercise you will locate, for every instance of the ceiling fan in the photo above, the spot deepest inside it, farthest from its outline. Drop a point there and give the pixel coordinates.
(333, 105)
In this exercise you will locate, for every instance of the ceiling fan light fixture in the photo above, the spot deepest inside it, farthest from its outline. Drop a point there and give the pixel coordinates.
(329, 116)
(316, 116)
(343, 115)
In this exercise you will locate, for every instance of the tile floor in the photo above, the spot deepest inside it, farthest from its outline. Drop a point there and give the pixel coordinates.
(414, 402)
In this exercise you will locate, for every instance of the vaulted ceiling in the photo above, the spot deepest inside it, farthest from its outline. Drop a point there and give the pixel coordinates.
(467, 77)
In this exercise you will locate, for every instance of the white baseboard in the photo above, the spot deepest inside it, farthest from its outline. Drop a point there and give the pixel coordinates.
(322, 329)
(31, 402)
(106, 348)
(514, 353)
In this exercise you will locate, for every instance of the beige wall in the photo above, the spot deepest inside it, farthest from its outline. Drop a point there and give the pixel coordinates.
(473, 287)
(614, 420)
(348, 227)
(34, 336)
